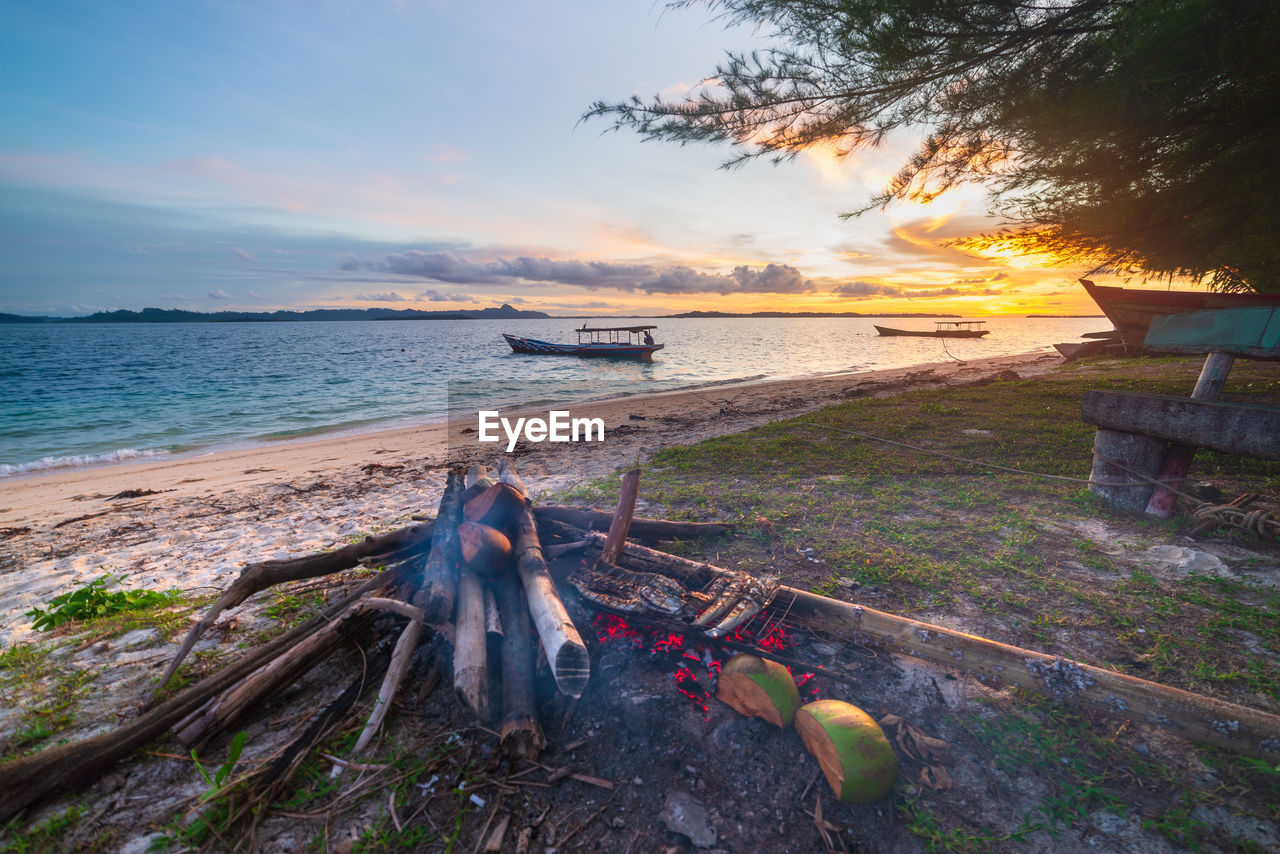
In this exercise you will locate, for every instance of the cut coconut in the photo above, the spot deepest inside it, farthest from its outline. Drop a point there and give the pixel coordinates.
(760, 688)
(486, 550)
(855, 756)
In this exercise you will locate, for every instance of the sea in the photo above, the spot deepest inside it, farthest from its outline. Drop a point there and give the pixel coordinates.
(91, 394)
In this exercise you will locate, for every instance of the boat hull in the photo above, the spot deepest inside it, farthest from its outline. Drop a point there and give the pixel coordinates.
(1132, 310)
(534, 347)
(951, 333)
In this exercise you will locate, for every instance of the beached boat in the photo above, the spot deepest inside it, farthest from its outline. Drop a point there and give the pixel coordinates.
(628, 342)
(1132, 310)
(944, 329)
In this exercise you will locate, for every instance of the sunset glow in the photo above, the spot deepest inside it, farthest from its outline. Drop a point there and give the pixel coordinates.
(267, 158)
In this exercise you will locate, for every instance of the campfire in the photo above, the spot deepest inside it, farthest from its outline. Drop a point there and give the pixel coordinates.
(512, 587)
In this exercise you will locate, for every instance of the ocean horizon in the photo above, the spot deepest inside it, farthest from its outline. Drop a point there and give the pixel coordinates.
(93, 394)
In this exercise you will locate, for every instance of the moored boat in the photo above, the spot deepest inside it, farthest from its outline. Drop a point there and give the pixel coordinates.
(1132, 310)
(944, 329)
(627, 342)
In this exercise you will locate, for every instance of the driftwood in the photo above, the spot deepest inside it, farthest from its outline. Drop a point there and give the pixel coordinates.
(1192, 716)
(565, 650)
(470, 649)
(440, 575)
(622, 516)
(399, 666)
(69, 767)
(521, 734)
(397, 545)
(589, 519)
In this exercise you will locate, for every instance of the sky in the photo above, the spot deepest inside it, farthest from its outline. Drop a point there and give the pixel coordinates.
(430, 155)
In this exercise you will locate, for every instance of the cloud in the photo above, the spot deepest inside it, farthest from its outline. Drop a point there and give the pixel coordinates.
(998, 277)
(444, 266)
(865, 290)
(441, 296)
(951, 292)
(255, 295)
(390, 296)
(219, 294)
(243, 254)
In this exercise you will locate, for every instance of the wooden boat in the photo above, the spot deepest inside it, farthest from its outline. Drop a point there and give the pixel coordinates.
(628, 342)
(1132, 310)
(944, 329)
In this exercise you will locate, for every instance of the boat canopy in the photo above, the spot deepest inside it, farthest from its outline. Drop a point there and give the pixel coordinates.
(585, 328)
(960, 324)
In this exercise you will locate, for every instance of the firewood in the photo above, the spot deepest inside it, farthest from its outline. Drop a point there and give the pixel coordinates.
(1193, 716)
(499, 507)
(621, 522)
(398, 667)
(521, 734)
(560, 639)
(590, 519)
(440, 575)
(401, 543)
(856, 758)
(486, 550)
(470, 662)
(73, 766)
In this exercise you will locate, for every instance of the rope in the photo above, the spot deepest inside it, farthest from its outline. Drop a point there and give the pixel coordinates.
(1261, 522)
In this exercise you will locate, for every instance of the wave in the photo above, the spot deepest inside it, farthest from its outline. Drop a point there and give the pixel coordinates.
(46, 463)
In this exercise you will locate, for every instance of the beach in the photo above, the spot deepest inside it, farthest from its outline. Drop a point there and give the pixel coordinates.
(194, 522)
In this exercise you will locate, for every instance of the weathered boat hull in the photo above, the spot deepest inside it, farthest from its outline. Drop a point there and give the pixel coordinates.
(532, 346)
(1132, 310)
(951, 333)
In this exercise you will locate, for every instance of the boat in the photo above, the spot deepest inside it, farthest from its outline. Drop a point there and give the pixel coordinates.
(628, 342)
(1132, 310)
(944, 329)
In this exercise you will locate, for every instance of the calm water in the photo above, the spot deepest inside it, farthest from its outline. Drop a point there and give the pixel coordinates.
(78, 395)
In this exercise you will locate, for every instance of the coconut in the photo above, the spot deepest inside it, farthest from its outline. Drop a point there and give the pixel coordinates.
(760, 688)
(855, 756)
(485, 550)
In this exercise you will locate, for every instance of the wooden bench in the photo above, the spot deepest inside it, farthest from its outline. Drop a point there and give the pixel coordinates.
(1144, 438)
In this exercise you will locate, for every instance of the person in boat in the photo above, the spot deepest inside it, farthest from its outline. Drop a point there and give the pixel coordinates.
(648, 339)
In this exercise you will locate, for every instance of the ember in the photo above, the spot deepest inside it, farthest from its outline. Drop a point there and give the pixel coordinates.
(696, 662)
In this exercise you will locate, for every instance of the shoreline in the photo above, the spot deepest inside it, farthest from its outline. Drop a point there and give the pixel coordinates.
(197, 521)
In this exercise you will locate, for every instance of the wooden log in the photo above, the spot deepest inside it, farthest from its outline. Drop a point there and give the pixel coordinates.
(403, 542)
(1178, 457)
(521, 734)
(470, 650)
(1231, 428)
(440, 575)
(1124, 468)
(69, 767)
(229, 708)
(398, 667)
(565, 650)
(486, 550)
(1191, 716)
(621, 523)
(590, 519)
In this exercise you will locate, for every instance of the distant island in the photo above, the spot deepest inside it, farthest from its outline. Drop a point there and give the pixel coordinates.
(175, 315)
(803, 314)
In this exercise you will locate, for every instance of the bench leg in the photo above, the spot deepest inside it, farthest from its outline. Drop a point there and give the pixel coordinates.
(1118, 460)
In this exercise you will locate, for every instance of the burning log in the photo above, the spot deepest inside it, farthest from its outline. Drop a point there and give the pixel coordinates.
(440, 575)
(565, 650)
(1193, 716)
(521, 734)
(470, 658)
